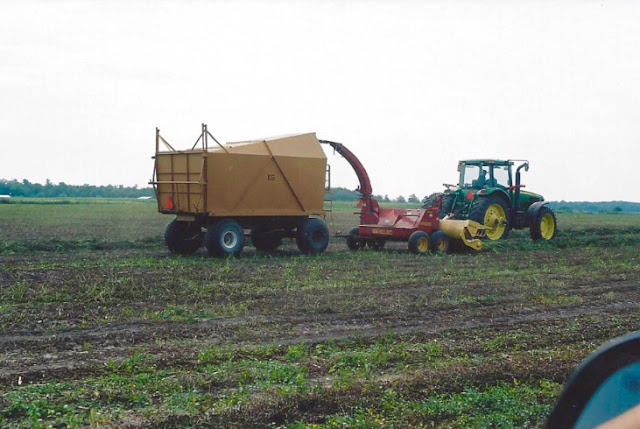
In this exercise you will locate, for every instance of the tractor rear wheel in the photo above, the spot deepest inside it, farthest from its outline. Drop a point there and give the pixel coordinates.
(419, 243)
(265, 240)
(354, 242)
(545, 225)
(492, 213)
(440, 242)
(224, 238)
(447, 205)
(312, 236)
(183, 238)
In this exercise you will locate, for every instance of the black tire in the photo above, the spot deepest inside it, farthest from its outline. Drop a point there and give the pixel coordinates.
(224, 238)
(419, 242)
(312, 236)
(457, 246)
(545, 225)
(265, 240)
(440, 242)
(431, 200)
(447, 205)
(376, 244)
(486, 211)
(354, 242)
(183, 238)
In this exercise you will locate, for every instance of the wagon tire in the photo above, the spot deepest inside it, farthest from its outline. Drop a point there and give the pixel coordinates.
(265, 240)
(312, 236)
(224, 238)
(183, 238)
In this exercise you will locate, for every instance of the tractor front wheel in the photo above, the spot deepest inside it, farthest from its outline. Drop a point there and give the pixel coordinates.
(492, 213)
(545, 225)
(419, 243)
(183, 238)
(224, 238)
(312, 236)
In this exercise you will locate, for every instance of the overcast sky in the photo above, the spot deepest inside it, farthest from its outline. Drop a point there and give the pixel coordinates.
(409, 87)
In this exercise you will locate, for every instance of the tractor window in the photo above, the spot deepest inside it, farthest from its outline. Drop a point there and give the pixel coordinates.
(501, 176)
(470, 175)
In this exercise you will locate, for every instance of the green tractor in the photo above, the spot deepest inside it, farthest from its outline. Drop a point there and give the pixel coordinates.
(487, 194)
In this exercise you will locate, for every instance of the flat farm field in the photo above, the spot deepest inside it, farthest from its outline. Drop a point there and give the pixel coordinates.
(101, 326)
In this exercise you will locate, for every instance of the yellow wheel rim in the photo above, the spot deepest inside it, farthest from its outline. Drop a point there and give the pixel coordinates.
(423, 244)
(495, 221)
(547, 226)
(442, 245)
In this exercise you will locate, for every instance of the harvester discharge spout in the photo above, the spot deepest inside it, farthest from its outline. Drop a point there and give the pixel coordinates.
(470, 232)
(363, 177)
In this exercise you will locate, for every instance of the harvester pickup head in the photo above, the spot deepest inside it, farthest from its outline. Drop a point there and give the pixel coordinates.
(470, 232)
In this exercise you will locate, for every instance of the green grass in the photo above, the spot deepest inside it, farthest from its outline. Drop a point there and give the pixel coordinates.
(386, 374)
(342, 339)
(244, 375)
(505, 405)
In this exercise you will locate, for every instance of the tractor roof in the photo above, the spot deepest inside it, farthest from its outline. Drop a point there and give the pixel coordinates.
(486, 162)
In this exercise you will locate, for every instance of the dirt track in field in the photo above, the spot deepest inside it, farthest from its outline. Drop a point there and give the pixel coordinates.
(40, 347)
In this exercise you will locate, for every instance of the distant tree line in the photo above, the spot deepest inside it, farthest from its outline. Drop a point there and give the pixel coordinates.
(25, 188)
(604, 206)
(344, 194)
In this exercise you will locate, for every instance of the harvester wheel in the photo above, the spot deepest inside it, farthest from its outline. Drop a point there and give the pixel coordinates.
(264, 240)
(354, 242)
(545, 225)
(376, 244)
(312, 236)
(419, 242)
(224, 238)
(440, 242)
(183, 238)
(492, 213)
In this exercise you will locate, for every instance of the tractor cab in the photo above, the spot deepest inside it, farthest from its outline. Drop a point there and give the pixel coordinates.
(478, 174)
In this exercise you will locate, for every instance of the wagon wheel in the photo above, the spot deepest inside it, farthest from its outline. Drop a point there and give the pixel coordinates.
(224, 238)
(312, 236)
(265, 240)
(183, 238)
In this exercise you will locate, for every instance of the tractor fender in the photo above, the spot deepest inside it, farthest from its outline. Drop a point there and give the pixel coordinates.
(496, 192)
(533, 210)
